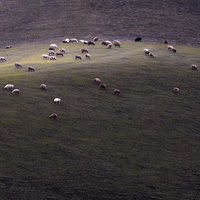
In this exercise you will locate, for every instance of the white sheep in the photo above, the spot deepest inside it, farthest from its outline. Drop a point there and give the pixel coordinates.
(102, 86)
(78, 57)
(45, 56)
(57, 101)
(59, 53)
(146, 51)
(43, 86)
(176, 90)
(117, 43)
(16, 91)
(151, 55)
(97, 81)
(53, 116)
(194, 67)
(2, 59)
(31, 69)
(73, 40)
(84, 51)
(52, 58)
(18, 65)
(9, 87)
(109, 46)
(63, 50)
(51, 53)
(8, 47)
(170, 47)
(66, 40)
(105, 43)
(108, 42)
(95, 39)
(116, 92)
(83, 41)
(87, 56)
(91, 43)
(53, 46)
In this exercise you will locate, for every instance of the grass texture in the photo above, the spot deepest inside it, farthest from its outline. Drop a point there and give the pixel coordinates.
(143, 144)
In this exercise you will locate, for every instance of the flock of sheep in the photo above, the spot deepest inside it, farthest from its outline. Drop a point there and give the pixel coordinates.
(173, 49)
(52, 56)
(52, 53)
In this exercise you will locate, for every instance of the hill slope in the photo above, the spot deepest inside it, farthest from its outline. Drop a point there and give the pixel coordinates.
(44, 21)
(143, 144)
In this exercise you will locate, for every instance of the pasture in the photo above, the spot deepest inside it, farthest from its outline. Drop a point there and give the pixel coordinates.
(143, 144)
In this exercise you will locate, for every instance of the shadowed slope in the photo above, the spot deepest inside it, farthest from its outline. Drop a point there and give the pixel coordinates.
(45, 21)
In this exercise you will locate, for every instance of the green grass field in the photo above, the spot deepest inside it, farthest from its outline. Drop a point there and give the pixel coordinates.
(143, 144)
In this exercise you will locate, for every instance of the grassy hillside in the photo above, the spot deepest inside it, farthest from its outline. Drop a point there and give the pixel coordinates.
(143, 144)
(44, 21)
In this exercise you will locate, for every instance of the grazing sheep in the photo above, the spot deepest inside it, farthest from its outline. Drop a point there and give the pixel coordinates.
(59, 54)
(8, 47)
(85, 42)
(109, 46)
(53, 116)
(165, 42)
(103, 86)
(108, 42)
(9, 87)
(116, 92)
(84, 51)
(43, 86)
(91, 43)
(52, 58)
(138, 39)
(170, 47)
(45, 56)
(105, 43)
(53, 46)
(63, 50)
(2, 59)
(95, 39)
(66, 40)
(151, 55)
(16, 91)
(146, 51)
(57, 101)
(194, 67)
(117, 43)
(73, 40)
(31, 69)
(87, 56)
(176, 90)
(78, 57)
(51, 53)
(174, 50)
(18, 65)
(97, 81)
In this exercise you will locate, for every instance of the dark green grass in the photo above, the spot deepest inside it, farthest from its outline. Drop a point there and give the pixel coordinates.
(143, 144)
